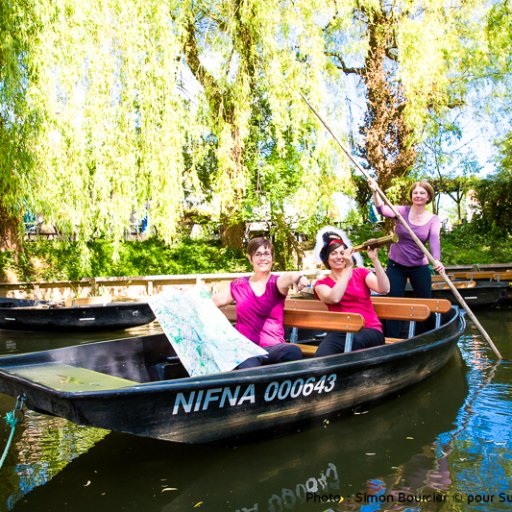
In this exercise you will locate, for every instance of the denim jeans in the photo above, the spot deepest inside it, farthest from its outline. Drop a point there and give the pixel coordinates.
(421, 282)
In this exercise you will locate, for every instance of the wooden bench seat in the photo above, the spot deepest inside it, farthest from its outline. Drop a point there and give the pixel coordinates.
(323, 320)
(481, 275)
(313, 314)
(437, 278)
(315, 319)
(435, 305)
(502, 276)
(395, 310)
(388, 308)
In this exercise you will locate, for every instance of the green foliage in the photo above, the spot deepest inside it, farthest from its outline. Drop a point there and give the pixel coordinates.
(505, 156)
(54, 260)
(7, 262)
(494, 195)
(469, 244)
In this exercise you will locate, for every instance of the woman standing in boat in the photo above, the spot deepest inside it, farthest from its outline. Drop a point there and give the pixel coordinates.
(406, 259)
(347, 289)
(259, 303)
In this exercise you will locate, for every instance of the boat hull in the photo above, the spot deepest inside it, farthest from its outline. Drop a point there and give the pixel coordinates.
(115, 315)
(232, 405)
(486, 294)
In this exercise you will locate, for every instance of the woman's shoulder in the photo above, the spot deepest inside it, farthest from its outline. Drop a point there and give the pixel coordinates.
(240, 281)
(327, 280)
(361, 271)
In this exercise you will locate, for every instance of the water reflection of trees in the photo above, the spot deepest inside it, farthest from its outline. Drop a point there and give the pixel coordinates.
(480, 452)
(42, 447)
(414, 445)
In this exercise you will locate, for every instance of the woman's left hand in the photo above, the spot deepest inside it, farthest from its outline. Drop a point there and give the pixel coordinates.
(438, 266)
(301, 283)
(373, 254)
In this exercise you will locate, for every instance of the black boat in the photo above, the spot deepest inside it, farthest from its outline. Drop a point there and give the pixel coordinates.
(475, 293)
(328, 459)
(8, 302)
(138, 385)
(28, 315)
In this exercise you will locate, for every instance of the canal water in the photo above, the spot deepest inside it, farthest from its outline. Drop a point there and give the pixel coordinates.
(445, 444)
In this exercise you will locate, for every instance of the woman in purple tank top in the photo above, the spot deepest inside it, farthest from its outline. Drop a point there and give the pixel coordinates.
(259, 303)
(406, 259)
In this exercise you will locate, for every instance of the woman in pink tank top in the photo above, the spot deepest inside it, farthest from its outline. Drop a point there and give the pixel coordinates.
(347, 289)
(259, 303)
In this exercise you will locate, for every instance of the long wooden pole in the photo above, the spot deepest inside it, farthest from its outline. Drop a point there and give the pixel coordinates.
(418, 242)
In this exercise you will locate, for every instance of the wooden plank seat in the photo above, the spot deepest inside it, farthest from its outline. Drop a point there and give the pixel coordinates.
(323, 320)
(481, 275)
(316, 319)
(394, 309)
(437, 278)
(435, 305)
(502, 276)
(310, 314)
(457, 284)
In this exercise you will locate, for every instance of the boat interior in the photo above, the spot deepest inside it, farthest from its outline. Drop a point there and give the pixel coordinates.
(127, 362)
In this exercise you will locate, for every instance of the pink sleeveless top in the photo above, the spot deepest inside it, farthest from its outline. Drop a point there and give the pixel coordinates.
(356, 298)
(259, 318)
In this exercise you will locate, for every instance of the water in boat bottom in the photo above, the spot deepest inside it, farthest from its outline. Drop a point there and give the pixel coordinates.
(445, 444)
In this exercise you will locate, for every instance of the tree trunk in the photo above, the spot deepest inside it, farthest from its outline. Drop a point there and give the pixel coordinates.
(10, 239)
(388, 147)
(232, 232)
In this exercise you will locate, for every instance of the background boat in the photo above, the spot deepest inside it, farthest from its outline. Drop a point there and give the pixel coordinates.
(22, 314)
(476, 293)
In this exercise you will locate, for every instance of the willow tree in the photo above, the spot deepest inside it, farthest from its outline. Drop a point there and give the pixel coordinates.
(20, 26)
(251, 59)
(122, 123)
(93, 120)
(115, 120)
(414, 61)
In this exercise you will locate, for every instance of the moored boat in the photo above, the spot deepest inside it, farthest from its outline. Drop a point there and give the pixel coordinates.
(27, 315)
(138, 385)
(476, 293)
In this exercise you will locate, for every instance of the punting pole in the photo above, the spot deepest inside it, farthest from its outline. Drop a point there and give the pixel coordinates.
(418, 242)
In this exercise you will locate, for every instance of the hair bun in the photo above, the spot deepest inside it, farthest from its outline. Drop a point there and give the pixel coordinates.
(328, 235)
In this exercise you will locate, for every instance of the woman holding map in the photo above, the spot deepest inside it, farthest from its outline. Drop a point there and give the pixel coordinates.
(259, 301)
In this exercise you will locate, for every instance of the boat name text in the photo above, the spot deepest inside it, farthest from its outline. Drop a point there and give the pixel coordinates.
(227, 396)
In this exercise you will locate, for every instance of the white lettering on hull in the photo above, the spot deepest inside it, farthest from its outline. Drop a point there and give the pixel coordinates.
(202, 400)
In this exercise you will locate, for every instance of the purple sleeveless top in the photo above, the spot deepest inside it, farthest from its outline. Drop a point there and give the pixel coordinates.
(259, 318)
(405, 251)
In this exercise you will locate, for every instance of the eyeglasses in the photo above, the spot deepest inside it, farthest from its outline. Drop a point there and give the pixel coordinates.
(259, 255)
